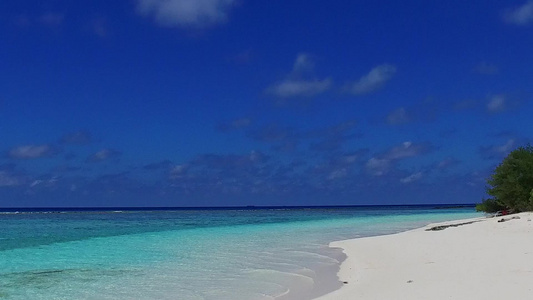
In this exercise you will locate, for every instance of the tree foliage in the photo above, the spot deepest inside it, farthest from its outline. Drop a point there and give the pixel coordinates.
(511, 184)
(490, 206)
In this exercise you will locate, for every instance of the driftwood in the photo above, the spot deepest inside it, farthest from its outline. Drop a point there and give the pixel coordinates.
(507, 219)
(442, 227)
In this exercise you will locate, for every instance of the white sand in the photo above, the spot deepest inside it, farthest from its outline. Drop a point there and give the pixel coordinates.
(483, 260)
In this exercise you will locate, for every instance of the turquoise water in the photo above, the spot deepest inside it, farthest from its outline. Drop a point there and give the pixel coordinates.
(208, 254)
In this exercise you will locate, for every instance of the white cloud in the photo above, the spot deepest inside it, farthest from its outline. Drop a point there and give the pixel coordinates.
(46, 182)
(30, 151)
(337, 174)
(293, 88)
(298, 83)
(406, 149)
(398, 116)
(186, 13)
(522, 15)
(412, 177)
(7, 179)
(448, 162)
(381, 164)
(506, 148)
(256, 156)
(102, 155)
(350, 158)
(303, 63)
(36, 182)
(498, 151)
(178, 171)
(374, 80)
(378, 166)
(496, 104)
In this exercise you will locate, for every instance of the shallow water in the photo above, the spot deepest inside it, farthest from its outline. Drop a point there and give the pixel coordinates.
(207, 254)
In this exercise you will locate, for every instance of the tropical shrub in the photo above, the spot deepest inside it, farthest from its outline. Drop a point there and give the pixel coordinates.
(511, 184)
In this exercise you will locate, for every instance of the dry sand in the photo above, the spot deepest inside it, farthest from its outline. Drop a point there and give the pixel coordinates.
(483, 260)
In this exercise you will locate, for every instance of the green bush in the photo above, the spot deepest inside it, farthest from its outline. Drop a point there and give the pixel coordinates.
(511, 184)
(489, 206)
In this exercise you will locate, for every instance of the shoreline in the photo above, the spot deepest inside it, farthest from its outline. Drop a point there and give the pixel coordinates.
(461, 259)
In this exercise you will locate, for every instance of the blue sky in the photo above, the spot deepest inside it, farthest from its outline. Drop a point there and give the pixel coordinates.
(238, 102)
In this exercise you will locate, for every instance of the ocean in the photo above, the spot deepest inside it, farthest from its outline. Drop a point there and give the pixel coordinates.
(208, 254)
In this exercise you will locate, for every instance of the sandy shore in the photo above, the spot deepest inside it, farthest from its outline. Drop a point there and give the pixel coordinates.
(485, 259)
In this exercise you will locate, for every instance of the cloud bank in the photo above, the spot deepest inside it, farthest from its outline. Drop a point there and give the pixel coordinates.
(186, 13)
(381, 164)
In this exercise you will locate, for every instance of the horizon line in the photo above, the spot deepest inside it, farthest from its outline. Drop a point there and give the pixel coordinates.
(245, 207)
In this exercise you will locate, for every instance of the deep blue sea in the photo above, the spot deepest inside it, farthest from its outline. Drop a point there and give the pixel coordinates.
(214, 254)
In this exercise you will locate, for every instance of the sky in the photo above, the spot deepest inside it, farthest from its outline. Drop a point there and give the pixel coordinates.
(240, 102)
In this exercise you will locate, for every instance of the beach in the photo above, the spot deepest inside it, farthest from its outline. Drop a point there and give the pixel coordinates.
(481, 258)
